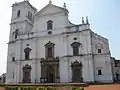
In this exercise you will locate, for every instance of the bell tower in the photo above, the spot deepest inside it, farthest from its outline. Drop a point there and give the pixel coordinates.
(22, 22)
(22, 19)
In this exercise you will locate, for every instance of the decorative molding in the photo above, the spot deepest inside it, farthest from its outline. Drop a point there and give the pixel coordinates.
(76, 64)
(99, 46)
(27, 67)
(71, 32)
(76, 44)
(49, 44)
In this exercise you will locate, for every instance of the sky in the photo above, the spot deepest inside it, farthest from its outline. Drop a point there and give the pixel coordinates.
(104, 18)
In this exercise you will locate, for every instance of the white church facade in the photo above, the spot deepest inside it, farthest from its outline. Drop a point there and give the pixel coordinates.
(44, 46)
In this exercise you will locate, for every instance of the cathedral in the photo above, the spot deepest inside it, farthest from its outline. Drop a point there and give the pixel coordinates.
(45, 47)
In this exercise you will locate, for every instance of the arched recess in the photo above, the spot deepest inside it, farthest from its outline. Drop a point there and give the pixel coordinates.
(27, 73)
(76, 71)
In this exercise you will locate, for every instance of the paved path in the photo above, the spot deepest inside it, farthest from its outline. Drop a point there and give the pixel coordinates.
(104, 87)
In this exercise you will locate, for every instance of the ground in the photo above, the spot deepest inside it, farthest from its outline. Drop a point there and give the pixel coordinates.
(104, 87)
(98, 87)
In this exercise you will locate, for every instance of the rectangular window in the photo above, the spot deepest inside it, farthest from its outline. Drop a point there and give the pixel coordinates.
(99, 50)
(75, 51)
(27, 56)
(13, 59)
(99, 72)
(116, 64)
(18, 13)
(13, 75)
(16, 33)
(30, 15)
(49, 51)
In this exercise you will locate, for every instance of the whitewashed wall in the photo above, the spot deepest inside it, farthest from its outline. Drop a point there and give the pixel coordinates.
(102, 60)
(90, 59)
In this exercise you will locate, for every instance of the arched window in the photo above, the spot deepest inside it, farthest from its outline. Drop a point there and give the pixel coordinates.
(27, 53)
(49, 25)
(49, 47)
(18, 13)
(75, 47)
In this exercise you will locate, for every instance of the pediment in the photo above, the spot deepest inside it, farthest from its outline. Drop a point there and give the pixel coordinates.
(49, 44)
(50, 9)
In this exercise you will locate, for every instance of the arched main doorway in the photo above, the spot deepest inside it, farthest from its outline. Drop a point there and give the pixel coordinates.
(50, 70)
(50, 74)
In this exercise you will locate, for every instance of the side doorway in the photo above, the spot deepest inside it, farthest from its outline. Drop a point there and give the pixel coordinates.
(27, 74)
(76, 72)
